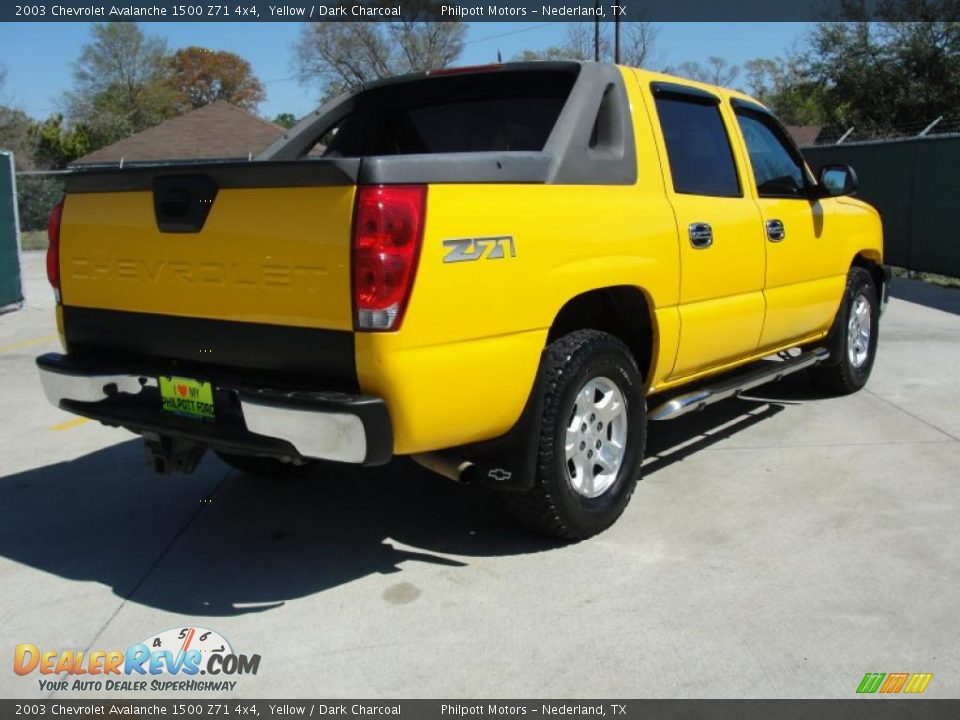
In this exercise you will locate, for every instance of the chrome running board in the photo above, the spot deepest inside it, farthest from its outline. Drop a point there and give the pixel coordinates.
(734, 386)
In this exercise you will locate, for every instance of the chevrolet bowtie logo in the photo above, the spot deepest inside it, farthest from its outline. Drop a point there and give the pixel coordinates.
(499, 475)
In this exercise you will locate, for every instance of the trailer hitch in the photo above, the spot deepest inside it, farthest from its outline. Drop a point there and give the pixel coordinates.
(168, 455)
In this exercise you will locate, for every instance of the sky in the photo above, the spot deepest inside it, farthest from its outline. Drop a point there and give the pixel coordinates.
(39, 57)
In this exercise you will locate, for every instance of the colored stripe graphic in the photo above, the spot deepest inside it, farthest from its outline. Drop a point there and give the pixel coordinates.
(894, 682)
(870, 682)
(918, 682)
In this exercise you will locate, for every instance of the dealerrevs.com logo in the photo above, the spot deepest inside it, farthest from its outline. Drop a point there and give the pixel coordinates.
(172, 660)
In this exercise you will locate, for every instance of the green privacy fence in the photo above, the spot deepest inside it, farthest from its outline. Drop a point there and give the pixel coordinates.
(11, 294)
(915, 184)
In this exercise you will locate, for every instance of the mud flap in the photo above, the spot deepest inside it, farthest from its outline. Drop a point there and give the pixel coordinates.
(508, 462)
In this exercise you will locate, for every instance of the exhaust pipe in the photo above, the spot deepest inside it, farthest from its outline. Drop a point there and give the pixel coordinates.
(448, 464)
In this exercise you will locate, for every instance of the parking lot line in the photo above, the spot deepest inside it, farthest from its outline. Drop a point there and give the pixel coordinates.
(27, 343)
(69, 424)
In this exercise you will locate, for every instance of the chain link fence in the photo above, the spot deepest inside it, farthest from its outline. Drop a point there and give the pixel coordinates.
(945, 125)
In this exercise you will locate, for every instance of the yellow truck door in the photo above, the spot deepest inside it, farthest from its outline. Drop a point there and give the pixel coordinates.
(721, 249)
(803, 278)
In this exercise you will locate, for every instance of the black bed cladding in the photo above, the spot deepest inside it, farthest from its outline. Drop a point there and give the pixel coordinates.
(285, 355)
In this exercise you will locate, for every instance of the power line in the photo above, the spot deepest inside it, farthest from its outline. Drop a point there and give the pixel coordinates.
(528, 28)
(276, 80)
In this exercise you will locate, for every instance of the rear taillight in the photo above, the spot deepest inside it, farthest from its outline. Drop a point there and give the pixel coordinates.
(53, 249)
(387, 230)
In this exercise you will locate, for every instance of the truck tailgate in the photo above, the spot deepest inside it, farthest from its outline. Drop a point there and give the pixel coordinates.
(270, 254)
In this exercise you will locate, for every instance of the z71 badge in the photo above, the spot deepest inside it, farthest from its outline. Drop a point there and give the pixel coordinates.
(463, 249)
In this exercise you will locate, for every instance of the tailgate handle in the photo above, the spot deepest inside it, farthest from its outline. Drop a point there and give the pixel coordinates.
(175, 203)
(181, 203)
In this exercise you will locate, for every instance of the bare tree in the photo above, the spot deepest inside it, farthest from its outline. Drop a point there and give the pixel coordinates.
(340, 56)
(14, 129)
(638, 44)
(426, 45)
(717, 71)
(579, 43)
(636, 48)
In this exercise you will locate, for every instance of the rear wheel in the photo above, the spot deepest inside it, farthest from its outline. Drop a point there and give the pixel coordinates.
(266, 467)
(853, 339)
(591, 440)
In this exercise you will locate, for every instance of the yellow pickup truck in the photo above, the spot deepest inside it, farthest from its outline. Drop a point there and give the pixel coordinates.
(502, 271)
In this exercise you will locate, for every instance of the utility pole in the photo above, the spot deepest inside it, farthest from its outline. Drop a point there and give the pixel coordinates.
(596, 31)
(616, 38)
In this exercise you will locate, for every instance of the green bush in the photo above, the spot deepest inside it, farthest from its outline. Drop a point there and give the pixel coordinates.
(36, 194)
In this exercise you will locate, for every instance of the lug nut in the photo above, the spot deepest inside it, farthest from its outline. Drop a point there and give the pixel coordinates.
(598, 444)
(583, 445)
(589, 453)
(592, 417)
(583, 428)
(599, 426)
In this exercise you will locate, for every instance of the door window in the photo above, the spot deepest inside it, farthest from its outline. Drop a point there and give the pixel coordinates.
(776, 167)
(701, 159)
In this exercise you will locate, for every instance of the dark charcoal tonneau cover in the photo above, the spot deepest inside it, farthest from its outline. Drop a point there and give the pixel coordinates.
(235, 174)
(492, 167)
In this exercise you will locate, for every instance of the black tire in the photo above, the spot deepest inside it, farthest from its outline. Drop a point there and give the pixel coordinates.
(553, 507)
(265, 467)
(840, 374)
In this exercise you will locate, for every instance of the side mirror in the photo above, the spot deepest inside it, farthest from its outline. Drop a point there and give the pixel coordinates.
(837, 180)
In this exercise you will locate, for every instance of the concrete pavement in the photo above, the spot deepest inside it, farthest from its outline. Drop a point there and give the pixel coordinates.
(777, 547)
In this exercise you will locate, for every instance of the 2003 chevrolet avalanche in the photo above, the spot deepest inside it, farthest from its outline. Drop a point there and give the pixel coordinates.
(490, 269)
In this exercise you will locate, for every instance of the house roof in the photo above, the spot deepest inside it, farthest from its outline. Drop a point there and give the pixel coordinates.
(804, 134)
(216, 131)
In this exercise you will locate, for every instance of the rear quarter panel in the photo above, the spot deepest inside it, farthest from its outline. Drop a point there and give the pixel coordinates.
(462, 366)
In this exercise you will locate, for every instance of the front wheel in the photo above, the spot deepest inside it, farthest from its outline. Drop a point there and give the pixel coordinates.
(853, 339)
(591, 441)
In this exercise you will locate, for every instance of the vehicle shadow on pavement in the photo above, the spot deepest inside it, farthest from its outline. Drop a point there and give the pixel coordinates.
(224, 543)
(927, 294)
(671, 441)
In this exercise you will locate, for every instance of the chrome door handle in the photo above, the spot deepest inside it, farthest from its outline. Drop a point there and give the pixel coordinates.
(775, 231)
(700, 234)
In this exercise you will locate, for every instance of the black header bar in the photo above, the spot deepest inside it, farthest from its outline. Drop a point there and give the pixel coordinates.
(436, 10)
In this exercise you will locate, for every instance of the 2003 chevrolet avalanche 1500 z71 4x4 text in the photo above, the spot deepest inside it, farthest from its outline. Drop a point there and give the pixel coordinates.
(494, 270)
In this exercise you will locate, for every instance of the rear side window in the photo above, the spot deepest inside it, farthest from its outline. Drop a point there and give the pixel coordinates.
(701, 159)
(495, 111)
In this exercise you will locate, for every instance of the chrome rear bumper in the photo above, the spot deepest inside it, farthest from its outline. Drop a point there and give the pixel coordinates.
(298, 424)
